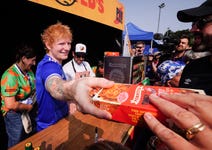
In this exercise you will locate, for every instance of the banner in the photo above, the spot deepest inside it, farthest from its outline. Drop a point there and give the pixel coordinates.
(127, 50)
(108, 12)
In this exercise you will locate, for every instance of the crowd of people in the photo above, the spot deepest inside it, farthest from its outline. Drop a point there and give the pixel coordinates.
(58, 87)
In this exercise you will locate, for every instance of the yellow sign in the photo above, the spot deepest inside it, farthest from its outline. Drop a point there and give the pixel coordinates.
(108, 12)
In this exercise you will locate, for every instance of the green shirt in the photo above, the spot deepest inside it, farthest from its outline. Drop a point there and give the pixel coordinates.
(15, 83)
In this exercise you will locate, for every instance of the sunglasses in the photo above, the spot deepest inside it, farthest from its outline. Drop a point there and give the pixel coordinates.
(201, 22)
(139, 47)
(80, 55)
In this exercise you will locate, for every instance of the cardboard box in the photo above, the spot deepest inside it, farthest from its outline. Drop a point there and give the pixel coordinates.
(128, 102)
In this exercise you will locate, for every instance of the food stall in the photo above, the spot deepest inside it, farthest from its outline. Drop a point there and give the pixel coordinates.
(98, 24)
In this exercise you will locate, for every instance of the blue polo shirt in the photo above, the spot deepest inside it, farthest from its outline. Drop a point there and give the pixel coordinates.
(50, 110)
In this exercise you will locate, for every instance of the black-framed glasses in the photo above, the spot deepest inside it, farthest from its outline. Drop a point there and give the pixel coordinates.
(201, 22)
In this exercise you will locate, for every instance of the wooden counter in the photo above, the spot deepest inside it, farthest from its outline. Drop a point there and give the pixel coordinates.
(75, 132)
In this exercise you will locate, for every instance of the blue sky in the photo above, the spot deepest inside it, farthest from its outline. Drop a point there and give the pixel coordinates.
(145, 13)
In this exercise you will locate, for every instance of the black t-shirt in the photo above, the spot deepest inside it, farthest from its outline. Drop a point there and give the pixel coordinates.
(198, 75)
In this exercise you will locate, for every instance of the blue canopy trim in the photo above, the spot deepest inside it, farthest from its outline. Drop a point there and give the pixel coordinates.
(135, 33)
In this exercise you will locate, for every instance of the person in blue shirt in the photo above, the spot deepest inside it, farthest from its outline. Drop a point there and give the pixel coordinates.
(53, 91)
(170, 72)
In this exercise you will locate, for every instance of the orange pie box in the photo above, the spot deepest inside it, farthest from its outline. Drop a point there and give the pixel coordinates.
(128, 102)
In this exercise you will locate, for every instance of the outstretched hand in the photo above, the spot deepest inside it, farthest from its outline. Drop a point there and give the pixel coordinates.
(187, 111)
(81, 89)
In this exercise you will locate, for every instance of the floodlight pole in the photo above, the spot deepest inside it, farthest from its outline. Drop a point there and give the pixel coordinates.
(160, 7)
